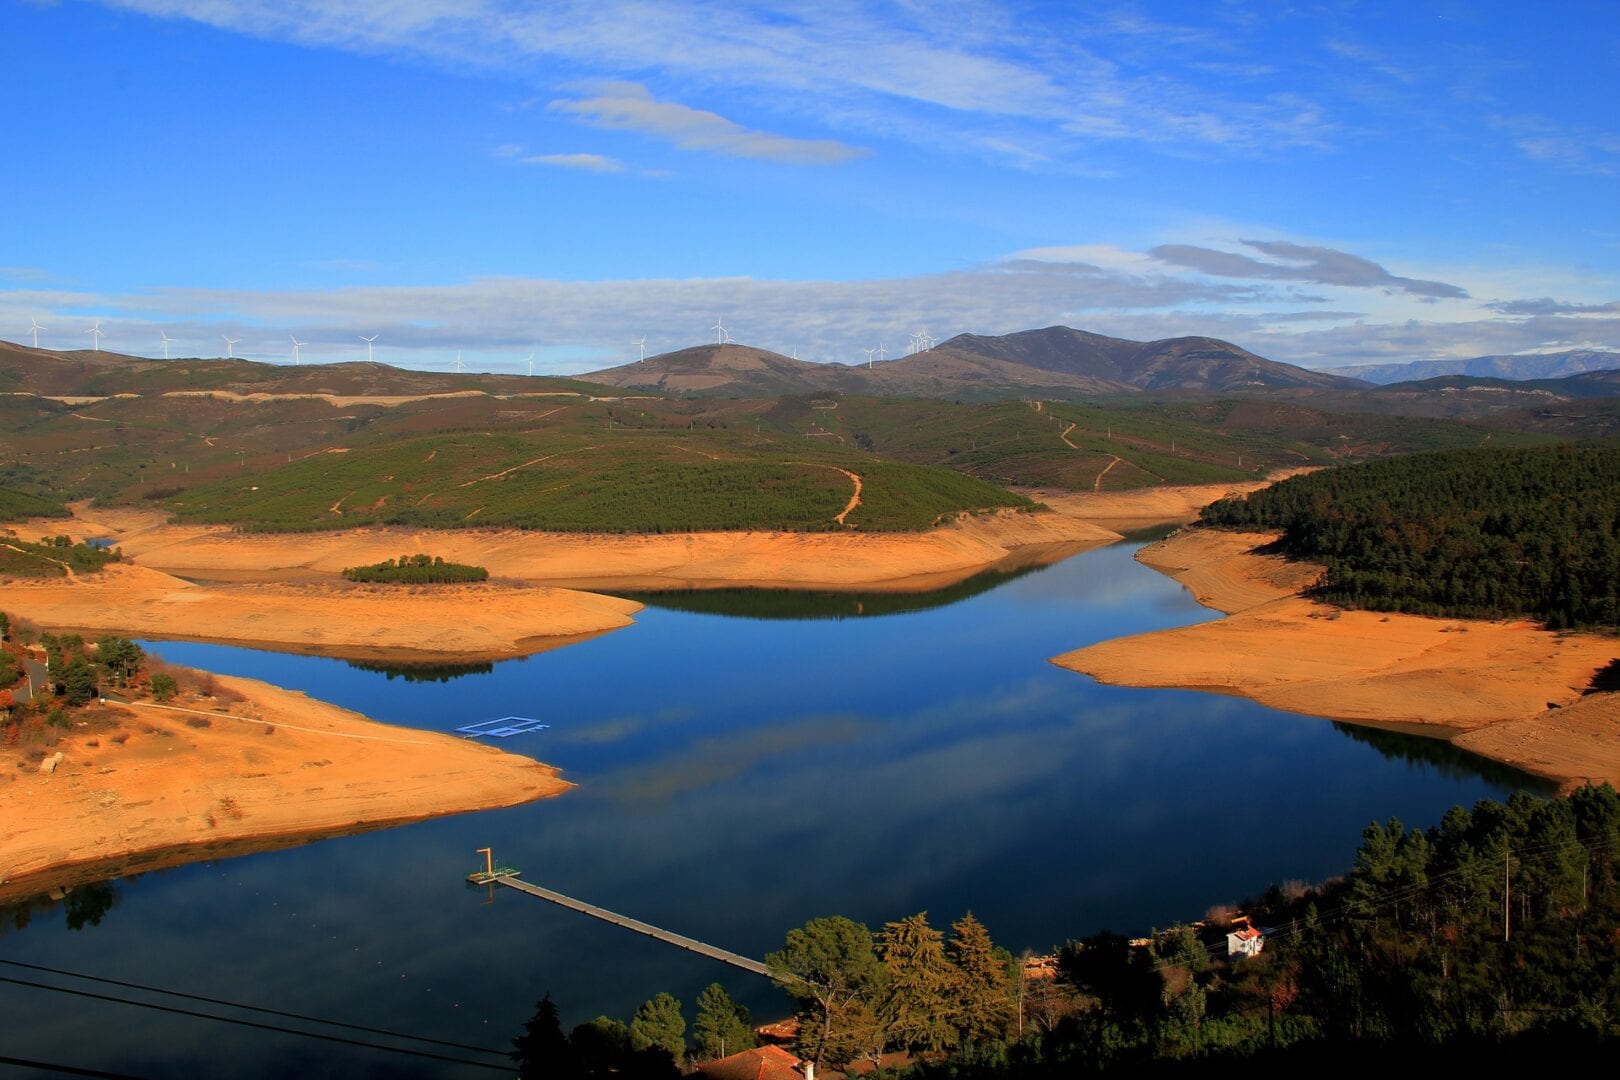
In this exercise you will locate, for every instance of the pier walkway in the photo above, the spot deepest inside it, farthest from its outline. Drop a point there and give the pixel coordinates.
(510, 879)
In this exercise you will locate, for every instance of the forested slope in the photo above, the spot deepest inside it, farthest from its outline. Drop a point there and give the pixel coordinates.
(1473, 533)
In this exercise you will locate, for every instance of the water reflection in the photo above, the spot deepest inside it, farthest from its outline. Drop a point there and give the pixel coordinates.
(1446, 759)
(737, 777)
(799, 604)
(441, 673)
(81, 906)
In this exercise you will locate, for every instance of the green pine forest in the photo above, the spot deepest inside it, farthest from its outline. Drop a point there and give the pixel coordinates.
(1468, 533)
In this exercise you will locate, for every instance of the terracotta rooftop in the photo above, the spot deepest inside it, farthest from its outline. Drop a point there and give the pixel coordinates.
(765, 1063)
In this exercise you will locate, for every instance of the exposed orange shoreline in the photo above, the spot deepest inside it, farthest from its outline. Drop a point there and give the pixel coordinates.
(158, 799)
(278, 769)
(1506, 690)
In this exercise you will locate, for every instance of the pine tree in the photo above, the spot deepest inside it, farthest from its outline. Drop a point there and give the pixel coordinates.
(659, 1023)
(542, 1050)
(917, 1009)
(722, 1026)
(983, 986)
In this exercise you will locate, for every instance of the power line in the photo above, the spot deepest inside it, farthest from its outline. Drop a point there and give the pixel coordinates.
(58, 1067)
(252, 1008)
(255, 1024)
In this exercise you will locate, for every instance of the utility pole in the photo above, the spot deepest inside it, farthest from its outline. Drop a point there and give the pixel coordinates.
(1507, 895)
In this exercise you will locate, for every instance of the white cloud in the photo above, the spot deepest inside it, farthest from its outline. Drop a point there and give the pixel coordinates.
(580, 326)
(623, 106)
(590, 162)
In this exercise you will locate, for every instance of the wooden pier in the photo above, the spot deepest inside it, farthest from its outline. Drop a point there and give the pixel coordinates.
(509, 877)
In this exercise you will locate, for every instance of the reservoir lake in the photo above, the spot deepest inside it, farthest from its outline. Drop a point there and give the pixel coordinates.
(744, 762)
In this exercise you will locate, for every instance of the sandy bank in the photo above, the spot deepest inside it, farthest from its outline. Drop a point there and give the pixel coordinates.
(483, 621)
(280, 769)
(1141, 508)
(904, 561)
(1508, 685)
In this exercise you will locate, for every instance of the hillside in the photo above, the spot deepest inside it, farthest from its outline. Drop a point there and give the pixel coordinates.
(327, 447)
(1521, 366)
(1055, 361)
(738, 370)
(1484, 533)
(84, 373)
(1185, 363)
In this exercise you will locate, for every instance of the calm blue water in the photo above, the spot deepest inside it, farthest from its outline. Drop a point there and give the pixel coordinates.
(737, 776)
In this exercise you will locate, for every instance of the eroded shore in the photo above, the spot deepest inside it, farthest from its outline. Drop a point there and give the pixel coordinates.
(187, 786)
(256, 767)
(1506, 690)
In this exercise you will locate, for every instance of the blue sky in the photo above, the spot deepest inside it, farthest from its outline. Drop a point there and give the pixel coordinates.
(1322, 183)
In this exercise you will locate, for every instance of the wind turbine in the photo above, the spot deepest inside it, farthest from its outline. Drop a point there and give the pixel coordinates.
(368, 341)
(230, 347)
(641, 343)
(459, 367)
(297, 356)
(868, 353)
(531, 363)
(721, 336)
(166, 339)
(34, 328)
(881, 352)
(96, 330)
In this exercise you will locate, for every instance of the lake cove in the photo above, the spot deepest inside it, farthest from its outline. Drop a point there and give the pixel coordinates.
(737, 774)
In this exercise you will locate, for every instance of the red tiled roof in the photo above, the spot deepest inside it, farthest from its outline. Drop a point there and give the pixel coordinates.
(764, 1063)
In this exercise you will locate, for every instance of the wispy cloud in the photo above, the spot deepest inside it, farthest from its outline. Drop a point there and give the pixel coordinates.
(1546, 305)
(590, 162)
(1318, 265)
(968, 76)
(623, 106)
(1580, 149)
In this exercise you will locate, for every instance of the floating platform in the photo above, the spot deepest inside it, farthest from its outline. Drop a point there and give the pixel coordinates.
(504, 727)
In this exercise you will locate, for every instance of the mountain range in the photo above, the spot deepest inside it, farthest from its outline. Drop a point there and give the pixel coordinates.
(1057, 359)
(1516, 367)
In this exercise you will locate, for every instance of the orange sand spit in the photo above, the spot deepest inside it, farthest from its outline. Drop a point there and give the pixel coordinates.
(664, 561)
(279, 769)
(1505, 690)
(470, 621)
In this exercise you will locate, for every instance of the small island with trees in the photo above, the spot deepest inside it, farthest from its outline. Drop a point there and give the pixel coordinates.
(416, 570)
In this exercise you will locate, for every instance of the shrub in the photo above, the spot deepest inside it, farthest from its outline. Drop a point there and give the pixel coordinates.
(164, 687)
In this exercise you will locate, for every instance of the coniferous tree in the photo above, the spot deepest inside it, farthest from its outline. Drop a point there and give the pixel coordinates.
(722, 1027)
(983, 985)
(918, 1008)
(659, 1023)
(541, 1052)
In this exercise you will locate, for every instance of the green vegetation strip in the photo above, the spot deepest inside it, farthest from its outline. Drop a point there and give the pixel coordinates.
(19, 505)
(53, 556)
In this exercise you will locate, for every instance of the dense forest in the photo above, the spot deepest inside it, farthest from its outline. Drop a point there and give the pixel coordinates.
(1471, 533)
(416, 570)
(1488, 937)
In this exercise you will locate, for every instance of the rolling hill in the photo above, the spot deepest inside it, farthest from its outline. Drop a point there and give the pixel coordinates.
(1057, 360)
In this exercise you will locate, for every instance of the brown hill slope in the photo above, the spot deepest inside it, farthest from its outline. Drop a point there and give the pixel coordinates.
(1057, 359)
